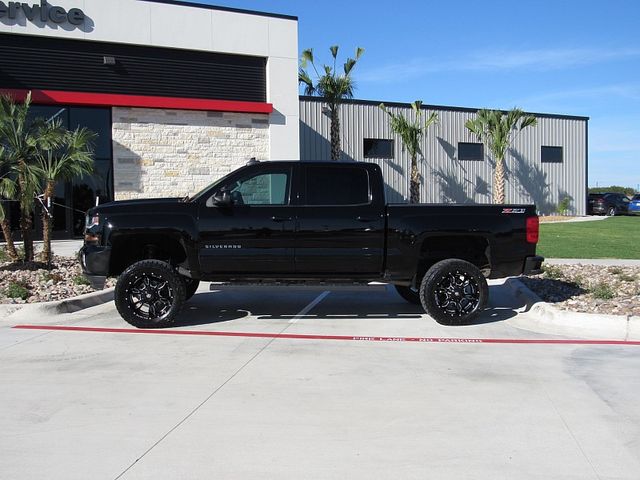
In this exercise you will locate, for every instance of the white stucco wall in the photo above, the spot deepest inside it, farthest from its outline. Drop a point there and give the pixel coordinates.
(147, 23)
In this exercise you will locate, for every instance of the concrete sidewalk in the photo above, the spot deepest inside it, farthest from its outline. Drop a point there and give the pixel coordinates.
(605, 262)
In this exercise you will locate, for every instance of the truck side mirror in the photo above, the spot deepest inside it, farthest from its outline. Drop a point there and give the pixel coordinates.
(222, 198)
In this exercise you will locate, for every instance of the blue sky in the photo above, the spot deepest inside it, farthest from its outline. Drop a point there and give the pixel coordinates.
(569, 57)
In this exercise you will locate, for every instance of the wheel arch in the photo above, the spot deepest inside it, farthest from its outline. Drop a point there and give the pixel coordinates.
(475, 249)
(128, 248)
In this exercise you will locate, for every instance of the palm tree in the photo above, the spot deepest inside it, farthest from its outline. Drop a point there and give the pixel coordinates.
(333, 86)
(19, 137)
(411, 133)
(498, 130)
(64, 156)
(7, 192)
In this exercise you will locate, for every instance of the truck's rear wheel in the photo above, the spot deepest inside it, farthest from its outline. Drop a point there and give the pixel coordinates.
(454, 292)
(150, 294)
(411, 295)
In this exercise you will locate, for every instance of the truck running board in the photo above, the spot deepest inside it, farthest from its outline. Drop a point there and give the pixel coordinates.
(297, 286)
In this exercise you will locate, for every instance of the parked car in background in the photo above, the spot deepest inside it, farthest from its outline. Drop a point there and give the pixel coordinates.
(634, 205)
(609, 204)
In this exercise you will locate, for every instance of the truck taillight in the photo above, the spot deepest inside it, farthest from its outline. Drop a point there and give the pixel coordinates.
(533, 229)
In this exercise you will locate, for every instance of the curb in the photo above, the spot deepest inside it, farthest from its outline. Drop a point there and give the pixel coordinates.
(545, 318)
(69, 305)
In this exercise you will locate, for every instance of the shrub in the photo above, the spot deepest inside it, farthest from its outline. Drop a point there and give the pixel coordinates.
(564, 206)
(17, 290)
(80, 280)
(4, 257)
(602, 291)
(56, 277)
(624, 277)
(553, 272)
(613, 189)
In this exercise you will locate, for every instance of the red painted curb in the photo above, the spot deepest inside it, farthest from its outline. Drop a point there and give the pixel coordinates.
(294, 336)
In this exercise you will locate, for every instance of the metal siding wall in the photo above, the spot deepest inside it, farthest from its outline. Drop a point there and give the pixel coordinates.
(447, 179)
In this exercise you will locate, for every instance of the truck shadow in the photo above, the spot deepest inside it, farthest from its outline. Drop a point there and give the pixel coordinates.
(208, 308)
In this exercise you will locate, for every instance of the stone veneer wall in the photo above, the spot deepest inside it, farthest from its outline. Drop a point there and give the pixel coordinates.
(172, 153)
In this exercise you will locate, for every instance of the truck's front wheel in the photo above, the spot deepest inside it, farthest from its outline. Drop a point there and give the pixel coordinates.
(150, 294)
(454, 292)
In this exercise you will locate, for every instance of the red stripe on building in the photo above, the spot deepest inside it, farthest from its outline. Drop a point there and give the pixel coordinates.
(56, 97)
(352, 338)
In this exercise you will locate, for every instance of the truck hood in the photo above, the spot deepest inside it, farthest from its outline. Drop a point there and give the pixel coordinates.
(144, 204)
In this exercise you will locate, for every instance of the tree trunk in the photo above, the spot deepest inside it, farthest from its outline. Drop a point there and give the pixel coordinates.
(6, 231)
(336, 151)
(47, 222)
(25, 215)
(498, 182)
(414, 186)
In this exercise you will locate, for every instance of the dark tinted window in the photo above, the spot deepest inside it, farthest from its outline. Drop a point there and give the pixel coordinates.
(551, 154)
(636, 197)
(378, 148)
(98, 120)
(470, 151)
(336, 186)
(266, 188)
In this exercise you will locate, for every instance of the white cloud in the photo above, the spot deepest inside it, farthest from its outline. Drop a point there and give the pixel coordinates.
(503, 60)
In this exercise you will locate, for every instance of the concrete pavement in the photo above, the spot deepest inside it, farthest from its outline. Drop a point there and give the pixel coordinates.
(139, 406)
(605, 262)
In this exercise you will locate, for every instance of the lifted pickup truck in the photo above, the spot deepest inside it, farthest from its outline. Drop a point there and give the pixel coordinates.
(304, 222)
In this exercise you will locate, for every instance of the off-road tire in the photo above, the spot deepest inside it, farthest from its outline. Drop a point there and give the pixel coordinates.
(454, 292)
(150, 294)
(409, 294)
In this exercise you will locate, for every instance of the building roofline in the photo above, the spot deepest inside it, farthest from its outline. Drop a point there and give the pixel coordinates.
(223, 9)
(354, 101)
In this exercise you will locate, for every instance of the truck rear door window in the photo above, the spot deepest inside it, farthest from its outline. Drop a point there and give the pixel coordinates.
(337, 186)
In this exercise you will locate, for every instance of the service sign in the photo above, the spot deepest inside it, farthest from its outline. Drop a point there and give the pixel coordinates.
(42, 12)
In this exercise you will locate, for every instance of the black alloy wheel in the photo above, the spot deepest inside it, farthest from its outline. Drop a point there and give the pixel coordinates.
(150, 294)
(454, 292)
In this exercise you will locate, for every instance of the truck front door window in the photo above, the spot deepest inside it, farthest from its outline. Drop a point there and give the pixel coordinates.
(262, 189)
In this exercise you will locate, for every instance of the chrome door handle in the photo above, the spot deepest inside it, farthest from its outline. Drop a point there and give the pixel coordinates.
(365, 219)
(281, 219)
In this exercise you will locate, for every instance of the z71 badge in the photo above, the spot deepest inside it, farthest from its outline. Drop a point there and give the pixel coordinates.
(513, 210)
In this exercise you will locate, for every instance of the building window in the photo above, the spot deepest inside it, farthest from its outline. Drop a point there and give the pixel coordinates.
(551, 154)
(378, 148)
(470, 151)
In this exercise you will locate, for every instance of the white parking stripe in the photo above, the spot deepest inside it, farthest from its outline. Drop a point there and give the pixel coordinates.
(308, 308)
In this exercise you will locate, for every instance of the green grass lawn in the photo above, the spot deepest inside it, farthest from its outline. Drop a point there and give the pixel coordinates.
(615, 237)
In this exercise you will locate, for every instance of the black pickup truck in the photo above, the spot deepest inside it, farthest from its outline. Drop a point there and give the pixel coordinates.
(304, 222)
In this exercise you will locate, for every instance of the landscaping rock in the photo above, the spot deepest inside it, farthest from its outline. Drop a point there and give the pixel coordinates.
(589, 288)
(34, 282)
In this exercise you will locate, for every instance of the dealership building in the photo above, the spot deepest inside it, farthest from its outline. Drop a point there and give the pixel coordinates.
(182, 93)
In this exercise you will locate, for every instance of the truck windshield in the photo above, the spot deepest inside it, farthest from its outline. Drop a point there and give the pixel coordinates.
(201, 193)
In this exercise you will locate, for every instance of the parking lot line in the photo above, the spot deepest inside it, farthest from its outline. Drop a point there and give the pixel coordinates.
(351, 338)
(308, 308)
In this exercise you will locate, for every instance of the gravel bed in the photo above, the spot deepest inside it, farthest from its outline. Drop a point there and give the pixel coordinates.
(589, 288)
(39, 284)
